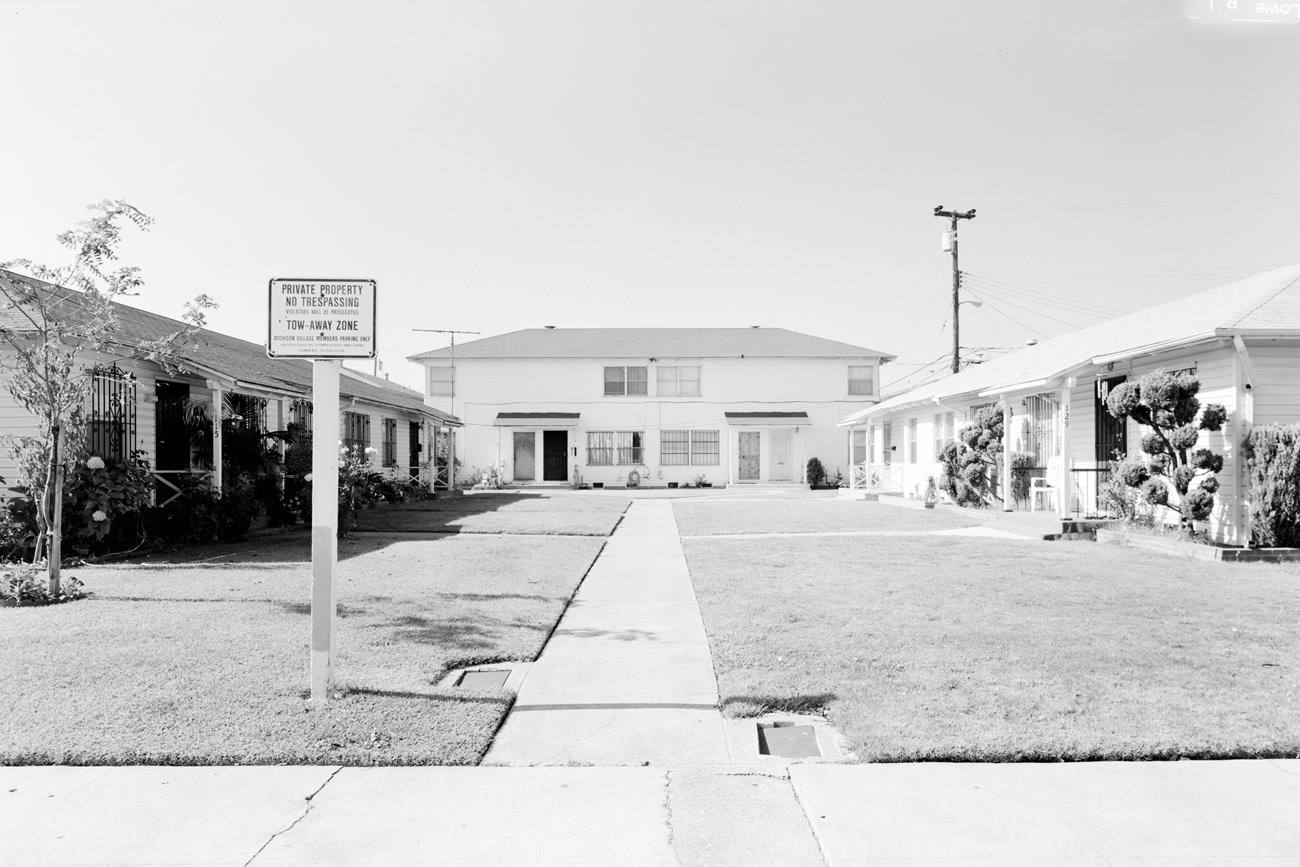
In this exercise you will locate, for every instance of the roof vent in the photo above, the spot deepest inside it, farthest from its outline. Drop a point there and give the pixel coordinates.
(755, 326)
(551, 327)
(1033, 341)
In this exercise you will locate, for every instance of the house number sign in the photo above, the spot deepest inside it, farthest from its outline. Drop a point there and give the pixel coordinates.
(321, 319)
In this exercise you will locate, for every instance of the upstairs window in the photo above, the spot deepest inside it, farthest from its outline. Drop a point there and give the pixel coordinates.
(861, 380)
(626, 381)
(680, 381)
(442, 381)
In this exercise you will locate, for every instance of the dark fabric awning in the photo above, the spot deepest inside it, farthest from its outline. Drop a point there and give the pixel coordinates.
(774, 418)
(536, 419)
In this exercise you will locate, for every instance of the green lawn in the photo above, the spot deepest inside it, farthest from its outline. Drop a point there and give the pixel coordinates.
(943, 648)
(728, 517)
(566, 514)
(205, 661)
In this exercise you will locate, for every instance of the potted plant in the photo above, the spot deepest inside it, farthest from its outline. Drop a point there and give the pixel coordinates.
(931, 493)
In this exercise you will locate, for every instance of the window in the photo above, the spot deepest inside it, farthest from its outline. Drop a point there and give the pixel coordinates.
(247, 412)
(675, 448)
(704, 447)
(679, 381)
(859, 446)
(861, 380)
(600, 448)
(112, 413)
(300, 413)
(630, 451)
(356, 431)
(679, 448)
(390, 442)
(911, 440)
(442, 381)
(626, 380)
(943, 432)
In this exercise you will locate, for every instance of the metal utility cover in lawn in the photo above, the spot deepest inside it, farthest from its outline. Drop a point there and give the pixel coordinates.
(321, 319)
(788, 741)
(488, 679)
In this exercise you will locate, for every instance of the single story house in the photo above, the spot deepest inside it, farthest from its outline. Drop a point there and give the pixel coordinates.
(651, 406)
(138, 405)
(1242, 341)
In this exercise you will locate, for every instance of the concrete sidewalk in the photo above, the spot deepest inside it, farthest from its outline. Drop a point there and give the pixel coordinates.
(627, 678)
(1104, 813)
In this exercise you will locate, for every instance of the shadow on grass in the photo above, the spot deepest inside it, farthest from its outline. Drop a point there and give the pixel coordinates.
(740, 706)
(467, 698)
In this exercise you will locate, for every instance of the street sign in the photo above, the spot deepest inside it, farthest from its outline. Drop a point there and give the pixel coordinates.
(321, 319)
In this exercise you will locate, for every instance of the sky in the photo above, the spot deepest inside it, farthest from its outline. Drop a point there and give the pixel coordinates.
(504, 165)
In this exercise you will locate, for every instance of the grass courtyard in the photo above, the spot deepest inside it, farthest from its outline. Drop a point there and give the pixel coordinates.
(947, 648)
(205, 659)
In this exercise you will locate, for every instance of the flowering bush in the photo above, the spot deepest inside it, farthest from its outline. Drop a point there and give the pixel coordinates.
(107, 494)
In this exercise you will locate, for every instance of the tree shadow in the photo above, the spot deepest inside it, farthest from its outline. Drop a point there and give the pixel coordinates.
(615, 634)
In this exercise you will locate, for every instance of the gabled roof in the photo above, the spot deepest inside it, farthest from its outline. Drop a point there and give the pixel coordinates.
(228, 358)
(1266, 304)
(654, 343)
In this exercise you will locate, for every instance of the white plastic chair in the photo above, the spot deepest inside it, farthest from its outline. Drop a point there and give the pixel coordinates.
(1038, 487)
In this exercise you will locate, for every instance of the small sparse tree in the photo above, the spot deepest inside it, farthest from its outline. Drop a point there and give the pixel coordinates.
(970, 461)
(51, 327)
(1172, 472)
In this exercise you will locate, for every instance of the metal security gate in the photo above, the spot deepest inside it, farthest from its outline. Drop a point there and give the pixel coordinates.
(112, 413)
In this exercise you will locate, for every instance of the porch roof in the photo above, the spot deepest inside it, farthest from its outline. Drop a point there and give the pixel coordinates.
(766, 418)
(1266, 304)
(536, 419)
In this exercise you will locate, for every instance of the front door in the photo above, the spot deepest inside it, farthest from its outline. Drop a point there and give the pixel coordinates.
(525, 456)
(782, 456)
(171, 436)
(415, 449)
(749, 463)
(555, 455)
(1111, 432)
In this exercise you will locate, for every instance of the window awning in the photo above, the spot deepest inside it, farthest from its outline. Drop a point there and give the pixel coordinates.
(767, 418)
(536, 419)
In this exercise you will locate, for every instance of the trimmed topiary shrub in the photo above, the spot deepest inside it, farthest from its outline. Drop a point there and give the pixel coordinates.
(1175, 474)
(1273, 462)
(971, 461)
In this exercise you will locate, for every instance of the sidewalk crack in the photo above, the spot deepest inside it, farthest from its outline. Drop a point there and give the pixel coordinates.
(291, 825)
(668, 817)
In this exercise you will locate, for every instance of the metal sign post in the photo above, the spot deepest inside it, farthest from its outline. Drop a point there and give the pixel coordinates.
(324, 320)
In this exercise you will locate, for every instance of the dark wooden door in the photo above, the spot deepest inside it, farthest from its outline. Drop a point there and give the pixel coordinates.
(555, 455)
(1111, 432)
(171, 437)
(416, 449)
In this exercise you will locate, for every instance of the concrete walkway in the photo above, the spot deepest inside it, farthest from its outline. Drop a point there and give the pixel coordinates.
(627, 678)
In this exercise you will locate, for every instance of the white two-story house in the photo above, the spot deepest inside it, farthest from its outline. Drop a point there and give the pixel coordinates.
(652, 406)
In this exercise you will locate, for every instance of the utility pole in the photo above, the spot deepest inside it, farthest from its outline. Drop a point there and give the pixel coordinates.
(956, 279)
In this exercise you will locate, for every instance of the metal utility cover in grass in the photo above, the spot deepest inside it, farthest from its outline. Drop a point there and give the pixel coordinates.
(487, 679)
(787, 740)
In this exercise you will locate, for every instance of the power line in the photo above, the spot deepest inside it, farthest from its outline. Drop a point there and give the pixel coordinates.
(1020, 300)
(1045, 297)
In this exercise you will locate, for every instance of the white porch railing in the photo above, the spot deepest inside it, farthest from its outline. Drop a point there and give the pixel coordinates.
(165, 483)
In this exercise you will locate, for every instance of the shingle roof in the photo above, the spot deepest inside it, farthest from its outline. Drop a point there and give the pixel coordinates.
(1266, 303)
(655, 343)
(231, 358)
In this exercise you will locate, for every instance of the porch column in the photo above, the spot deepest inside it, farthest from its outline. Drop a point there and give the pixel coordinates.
(431, 445)
(218, 404)
(1066, 481)
(853, 470)
(451, 457)
(1006, 455)
(281, 444)
(1239, 425)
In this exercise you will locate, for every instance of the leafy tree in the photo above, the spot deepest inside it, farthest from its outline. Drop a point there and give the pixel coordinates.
(53, 328)
(971, 460)
(1173, 473)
